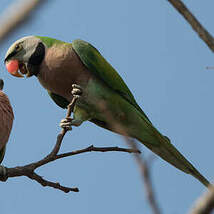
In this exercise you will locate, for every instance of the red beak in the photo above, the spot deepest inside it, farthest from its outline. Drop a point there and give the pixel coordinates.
(13, 68)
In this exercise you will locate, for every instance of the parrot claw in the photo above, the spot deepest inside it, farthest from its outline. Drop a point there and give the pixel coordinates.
(76, 91)
(66, 123)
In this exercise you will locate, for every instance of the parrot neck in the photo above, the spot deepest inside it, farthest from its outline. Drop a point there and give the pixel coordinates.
(36, 59)
(34, 69)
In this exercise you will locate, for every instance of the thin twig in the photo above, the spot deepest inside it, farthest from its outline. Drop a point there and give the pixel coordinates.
(15, 14)
(97, 149)
(56, 185)
(29, 170)
(145, 172)
(196, 25)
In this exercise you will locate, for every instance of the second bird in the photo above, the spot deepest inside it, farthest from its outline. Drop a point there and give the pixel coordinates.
(6, 120)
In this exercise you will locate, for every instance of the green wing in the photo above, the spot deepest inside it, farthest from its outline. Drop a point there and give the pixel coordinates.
(60, 101)
(96, 63)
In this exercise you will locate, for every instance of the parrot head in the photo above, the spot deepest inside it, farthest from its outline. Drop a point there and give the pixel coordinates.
(25, 56)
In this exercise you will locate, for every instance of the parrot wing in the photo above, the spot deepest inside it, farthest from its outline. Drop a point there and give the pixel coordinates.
(59, 100)
(97, 64)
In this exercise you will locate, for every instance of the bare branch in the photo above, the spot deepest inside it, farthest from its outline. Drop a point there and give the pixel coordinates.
(56, 185)
(205, 204)
(196, 25)
(29, 170)
(15, 15)
(97, 149)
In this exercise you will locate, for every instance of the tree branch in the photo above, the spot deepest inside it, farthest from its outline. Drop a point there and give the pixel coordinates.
(56, 185)
(29, 170)
(196, 25)
(205, 204)
(97, 149)
(15, 14)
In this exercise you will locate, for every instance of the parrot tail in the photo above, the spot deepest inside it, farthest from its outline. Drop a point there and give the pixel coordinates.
(170, 154)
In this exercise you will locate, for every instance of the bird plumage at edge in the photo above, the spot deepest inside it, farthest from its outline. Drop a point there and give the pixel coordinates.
(58, 65)
(6, 118)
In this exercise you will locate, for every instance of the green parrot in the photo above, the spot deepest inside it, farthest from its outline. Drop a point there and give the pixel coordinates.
(105, 99)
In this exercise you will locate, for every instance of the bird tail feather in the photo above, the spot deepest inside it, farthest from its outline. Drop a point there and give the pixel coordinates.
(170, 154)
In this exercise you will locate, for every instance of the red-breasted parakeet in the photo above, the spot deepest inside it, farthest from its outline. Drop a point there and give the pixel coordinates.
(59, 66)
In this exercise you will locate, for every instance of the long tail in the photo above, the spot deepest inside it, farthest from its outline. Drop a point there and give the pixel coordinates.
(170, 154)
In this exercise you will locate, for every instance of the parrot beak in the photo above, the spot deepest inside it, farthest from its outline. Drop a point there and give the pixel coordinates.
(13, 67)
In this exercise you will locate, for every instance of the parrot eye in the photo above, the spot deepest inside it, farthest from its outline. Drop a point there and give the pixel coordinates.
(18, 47)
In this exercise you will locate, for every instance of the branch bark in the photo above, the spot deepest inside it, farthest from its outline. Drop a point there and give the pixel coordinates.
(195, 24)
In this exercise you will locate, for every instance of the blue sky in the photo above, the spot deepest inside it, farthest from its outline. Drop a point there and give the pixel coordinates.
(164, 64)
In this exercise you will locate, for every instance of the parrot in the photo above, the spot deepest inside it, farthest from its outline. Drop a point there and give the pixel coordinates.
(6, 118)
(78, 69)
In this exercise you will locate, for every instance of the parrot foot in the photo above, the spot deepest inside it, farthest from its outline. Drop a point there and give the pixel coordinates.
(68, 122)
(76, 90)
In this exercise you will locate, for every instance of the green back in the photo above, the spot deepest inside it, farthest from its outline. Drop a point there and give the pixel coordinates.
(50, 41)
(96, 63)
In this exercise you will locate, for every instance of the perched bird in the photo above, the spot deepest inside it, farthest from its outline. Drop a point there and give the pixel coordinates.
(6, 118)
(105, 100)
